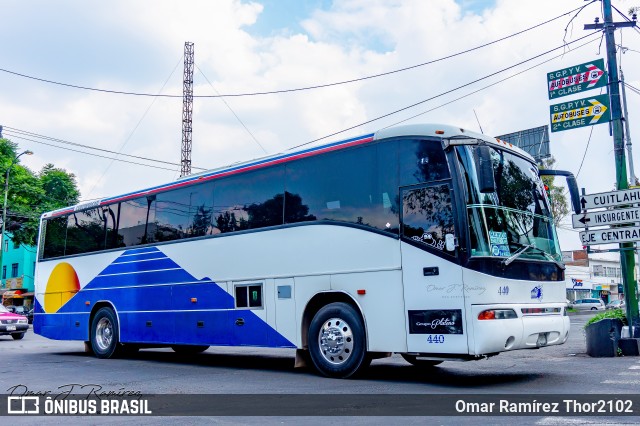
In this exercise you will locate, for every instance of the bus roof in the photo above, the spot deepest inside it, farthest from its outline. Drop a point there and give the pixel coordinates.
(443, 131)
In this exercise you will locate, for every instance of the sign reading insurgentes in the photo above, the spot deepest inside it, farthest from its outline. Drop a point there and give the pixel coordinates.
(580, 113)
(606, 217)
(575, 79)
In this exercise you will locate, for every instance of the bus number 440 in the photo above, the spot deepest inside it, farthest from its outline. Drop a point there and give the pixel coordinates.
(435, 338)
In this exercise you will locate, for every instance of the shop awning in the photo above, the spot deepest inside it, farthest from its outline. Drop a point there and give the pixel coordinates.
(15, 294)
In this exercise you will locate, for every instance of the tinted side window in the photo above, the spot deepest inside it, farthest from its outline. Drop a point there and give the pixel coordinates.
(184, 213)
(249, 201)
(86, 232)
(421, 161)
(338, 186)
(55, 234)
(427, 215)
(387, 197)
(136, 221)
(110, 214)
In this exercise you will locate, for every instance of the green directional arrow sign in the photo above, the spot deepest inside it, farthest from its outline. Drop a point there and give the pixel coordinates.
(576, 79)
(580, 113)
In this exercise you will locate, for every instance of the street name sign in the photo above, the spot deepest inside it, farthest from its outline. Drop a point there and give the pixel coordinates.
(580, 113)
(610, 236)
(575, 79)
(610, 199)
(606, 217)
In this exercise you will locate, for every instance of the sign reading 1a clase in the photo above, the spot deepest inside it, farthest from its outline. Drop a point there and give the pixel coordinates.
(576, 79)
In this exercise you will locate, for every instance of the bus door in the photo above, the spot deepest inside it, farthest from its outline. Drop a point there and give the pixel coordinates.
(432, 276)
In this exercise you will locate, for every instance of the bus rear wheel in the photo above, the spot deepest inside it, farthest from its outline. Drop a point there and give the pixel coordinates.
(104, 334)
(337, 341)
(422, 363)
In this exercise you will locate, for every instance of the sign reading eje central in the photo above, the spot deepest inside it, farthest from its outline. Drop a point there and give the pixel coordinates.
(610, 236)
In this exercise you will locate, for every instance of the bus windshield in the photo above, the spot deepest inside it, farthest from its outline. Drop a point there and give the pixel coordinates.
(514, 218)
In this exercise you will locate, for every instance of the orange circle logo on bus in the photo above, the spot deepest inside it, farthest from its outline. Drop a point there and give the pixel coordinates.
(63, 284)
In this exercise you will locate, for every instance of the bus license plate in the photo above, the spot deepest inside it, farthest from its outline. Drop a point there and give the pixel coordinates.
(11, 328)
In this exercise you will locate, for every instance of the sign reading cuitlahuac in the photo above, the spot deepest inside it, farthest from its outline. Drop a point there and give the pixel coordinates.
(576, 79)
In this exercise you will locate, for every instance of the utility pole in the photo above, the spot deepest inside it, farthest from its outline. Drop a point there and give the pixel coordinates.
(187, 109)
(627, 136)
(627, 258)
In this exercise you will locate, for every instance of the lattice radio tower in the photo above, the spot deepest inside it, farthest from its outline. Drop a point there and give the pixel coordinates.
(187, 109)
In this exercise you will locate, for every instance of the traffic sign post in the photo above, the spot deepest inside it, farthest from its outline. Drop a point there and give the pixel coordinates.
(580, 113)
(575, 79)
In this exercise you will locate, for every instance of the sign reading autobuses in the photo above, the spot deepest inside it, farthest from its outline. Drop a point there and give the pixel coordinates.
(580, 113)
(575, 79)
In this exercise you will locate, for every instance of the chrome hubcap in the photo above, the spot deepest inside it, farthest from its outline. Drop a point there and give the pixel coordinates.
(104, 334)
(336, 341)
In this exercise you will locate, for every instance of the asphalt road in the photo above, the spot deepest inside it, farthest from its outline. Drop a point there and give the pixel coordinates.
(41, 365)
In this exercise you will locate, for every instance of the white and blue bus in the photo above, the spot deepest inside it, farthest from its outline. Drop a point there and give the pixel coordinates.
(432, 242)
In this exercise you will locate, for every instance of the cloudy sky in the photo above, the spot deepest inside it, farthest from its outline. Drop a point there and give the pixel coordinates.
(245, 47)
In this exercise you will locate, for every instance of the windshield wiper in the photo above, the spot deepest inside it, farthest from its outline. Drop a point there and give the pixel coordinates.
(526, 247)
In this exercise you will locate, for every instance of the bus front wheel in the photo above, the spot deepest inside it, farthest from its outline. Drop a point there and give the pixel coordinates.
(337, 341)
(104, 334)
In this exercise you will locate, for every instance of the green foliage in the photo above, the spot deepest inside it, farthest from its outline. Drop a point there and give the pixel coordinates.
(31, 194)
(613, 313)
(557, 199)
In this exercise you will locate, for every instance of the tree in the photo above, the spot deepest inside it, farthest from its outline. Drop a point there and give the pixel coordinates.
(32, 194)
(557, 199)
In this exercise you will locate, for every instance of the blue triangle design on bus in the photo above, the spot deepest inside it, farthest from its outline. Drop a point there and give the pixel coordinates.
(146, 280)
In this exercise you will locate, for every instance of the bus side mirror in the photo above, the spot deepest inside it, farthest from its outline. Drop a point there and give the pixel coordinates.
(572, 184)
(484, 169)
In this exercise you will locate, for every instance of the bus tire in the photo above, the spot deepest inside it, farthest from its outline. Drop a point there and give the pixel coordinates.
(105, 338)
(189, 349)
(17, 336)
(337, 342)
(421, 363)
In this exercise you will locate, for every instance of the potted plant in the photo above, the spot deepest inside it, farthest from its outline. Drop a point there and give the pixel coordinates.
(603, 333)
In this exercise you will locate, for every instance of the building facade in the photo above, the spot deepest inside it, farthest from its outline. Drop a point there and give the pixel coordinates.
(597, 275)
(17, 273)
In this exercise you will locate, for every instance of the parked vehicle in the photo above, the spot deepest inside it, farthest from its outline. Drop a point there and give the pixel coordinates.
(616, 304)
(13, 324)
(588, 304)
(20, 310)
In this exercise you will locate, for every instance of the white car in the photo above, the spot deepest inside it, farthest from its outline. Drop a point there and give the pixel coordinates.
(616, 304)
(588, 304)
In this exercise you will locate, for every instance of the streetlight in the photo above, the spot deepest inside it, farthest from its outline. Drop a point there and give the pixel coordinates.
(4, 208)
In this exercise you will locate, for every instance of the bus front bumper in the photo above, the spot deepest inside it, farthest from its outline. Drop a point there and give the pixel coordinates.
(527, 331)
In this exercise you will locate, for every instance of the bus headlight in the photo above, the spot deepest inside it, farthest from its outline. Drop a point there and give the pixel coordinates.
(494, 314)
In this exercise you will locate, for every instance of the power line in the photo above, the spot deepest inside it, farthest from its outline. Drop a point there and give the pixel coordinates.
(318, 86)
(92, 154)
(126, 141)
(18, 133)
(233, 112)
(482, 88)
(442, 93)
(633, 89)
